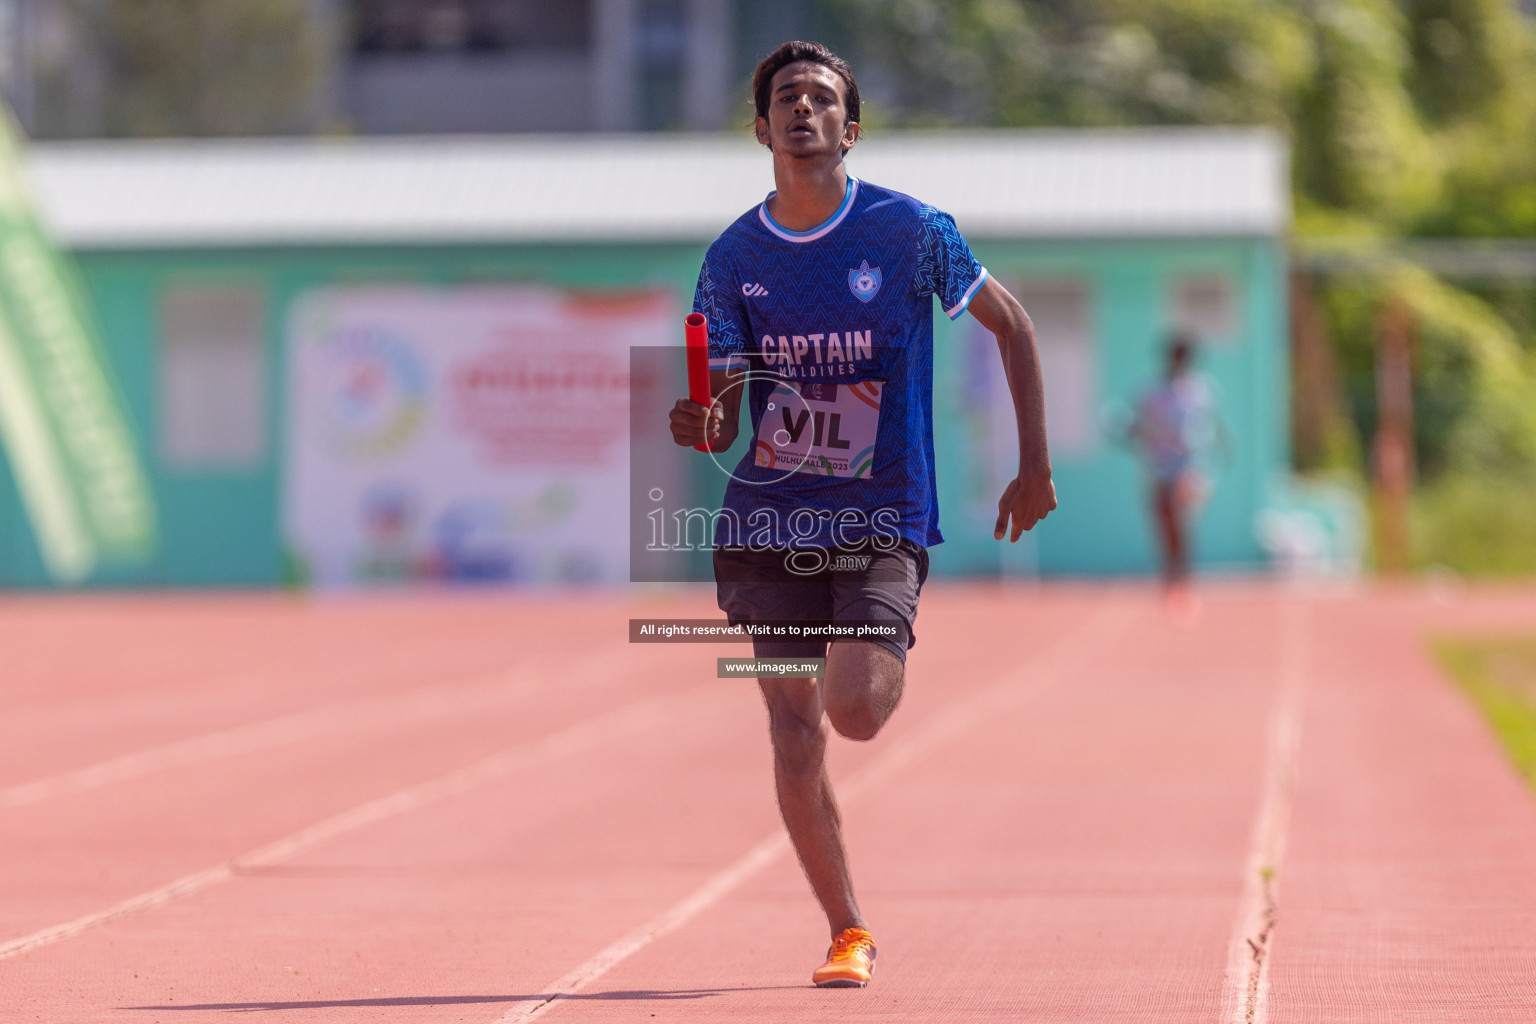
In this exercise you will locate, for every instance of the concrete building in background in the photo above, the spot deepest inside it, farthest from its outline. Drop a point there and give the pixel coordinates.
(451, 66)
(331, 350)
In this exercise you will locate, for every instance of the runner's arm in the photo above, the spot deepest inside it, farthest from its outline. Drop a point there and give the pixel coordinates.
(1031, 495)
(692, 424)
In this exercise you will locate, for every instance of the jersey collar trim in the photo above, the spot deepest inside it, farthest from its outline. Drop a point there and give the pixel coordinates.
(818, 231)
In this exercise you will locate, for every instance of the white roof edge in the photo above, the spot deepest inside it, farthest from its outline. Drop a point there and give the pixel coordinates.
(1006, 183)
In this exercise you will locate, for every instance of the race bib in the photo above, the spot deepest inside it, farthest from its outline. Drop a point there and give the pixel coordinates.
(821, 428)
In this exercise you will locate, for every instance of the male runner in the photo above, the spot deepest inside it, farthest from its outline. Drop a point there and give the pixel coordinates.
(820, 307)
(1176, 428)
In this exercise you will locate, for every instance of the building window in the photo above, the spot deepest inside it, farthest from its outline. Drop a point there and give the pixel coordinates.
(212, 378)
(1206, 307)
(437, 26)
(1059, 310)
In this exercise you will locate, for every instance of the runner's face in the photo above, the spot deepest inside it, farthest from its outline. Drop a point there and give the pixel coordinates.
(806, 116)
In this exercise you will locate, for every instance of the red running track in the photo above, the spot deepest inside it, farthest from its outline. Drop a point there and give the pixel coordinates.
(491, 809)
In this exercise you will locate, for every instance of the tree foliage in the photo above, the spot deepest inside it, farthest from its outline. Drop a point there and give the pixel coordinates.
(1388, 103)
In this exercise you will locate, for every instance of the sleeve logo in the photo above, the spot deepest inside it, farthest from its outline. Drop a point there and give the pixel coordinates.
(864, 282)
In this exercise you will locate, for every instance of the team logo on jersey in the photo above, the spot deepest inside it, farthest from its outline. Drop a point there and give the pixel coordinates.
(864, 281)
(753, 291)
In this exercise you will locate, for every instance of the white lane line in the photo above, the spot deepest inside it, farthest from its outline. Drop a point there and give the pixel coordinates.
(1245, 991)
(1053, 665)
(585, 735)
(350, 716)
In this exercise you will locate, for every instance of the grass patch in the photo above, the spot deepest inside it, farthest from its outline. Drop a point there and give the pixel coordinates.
(1477, 525)
(1500, 677)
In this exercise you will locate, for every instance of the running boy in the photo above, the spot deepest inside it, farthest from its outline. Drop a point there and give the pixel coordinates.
(1176, 428)
(820, 307)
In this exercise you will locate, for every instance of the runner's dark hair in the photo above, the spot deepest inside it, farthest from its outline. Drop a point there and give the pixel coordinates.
(1181, 348)
(797, 50)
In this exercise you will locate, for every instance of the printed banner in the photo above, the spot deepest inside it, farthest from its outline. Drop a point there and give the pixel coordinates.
(61, 419)
(463, 434)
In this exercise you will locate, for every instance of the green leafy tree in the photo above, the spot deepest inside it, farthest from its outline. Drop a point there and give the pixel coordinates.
(1361, 149)
(1337, 76)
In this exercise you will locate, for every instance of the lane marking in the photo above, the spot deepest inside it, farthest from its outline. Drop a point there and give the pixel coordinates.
(1053, 665)
(581, 736)
(1245, 989)
(354, 715)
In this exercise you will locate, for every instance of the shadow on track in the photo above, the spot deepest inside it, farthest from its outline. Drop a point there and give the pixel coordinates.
(316, 1004)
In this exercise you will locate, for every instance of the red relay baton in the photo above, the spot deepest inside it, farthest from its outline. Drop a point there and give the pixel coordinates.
(696, 330)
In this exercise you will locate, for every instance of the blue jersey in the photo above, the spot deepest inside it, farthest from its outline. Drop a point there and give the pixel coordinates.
(834, 330)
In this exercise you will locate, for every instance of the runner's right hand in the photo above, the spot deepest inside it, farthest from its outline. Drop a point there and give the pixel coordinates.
(692, 424)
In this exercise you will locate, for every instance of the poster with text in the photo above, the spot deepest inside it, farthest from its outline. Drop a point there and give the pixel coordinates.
(472, 434)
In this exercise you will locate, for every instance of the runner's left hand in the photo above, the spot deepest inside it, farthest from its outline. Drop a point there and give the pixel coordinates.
(1028, 498)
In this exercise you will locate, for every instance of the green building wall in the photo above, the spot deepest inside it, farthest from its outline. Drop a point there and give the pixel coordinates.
(223, 528)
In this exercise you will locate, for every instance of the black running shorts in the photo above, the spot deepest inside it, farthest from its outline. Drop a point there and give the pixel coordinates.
(841, 586)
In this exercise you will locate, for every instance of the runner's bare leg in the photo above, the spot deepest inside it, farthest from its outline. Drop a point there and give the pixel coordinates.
(863, 687)
(798, 723)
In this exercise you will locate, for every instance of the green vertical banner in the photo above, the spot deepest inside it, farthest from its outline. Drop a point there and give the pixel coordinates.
(61, 419)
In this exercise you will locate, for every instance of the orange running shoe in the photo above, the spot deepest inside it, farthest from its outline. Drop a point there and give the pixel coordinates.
(850, 961)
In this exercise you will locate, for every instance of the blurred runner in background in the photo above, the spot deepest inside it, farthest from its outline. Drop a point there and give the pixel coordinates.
(1177, 430)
